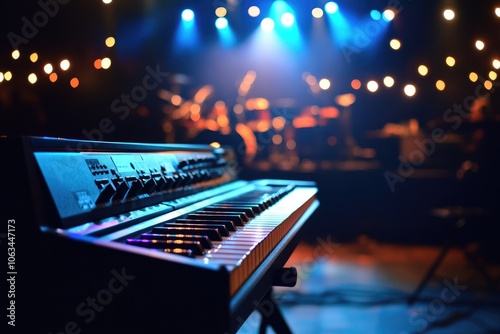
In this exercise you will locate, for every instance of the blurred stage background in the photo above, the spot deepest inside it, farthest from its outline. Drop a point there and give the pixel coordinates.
(371, 99)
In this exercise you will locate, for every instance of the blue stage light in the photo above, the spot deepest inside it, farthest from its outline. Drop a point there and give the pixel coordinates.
(267, 24)
(221, 23)
(331, 7)
(375, 15)
(187, 15)
(287, 19)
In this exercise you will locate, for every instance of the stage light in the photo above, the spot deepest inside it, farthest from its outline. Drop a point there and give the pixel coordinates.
(331, 7)
(32, 78)
(226, 35)
(395, 44)
(496, 64)
(186, 35)
(287, 19)
(473, 76)
(450, 61)
(221, 23)
(221, 12)
(440, 85)
(34, 57)
(410, 90)
(388, 15)
(254, 11)
(389, 81)
(267, 24)
(64, 64)
(187, 15)
(492, 75)
(479, 45)
(449, 14)
(423, 70)
(16, 54)
(372, 86)
(375, 15)
(48, 68)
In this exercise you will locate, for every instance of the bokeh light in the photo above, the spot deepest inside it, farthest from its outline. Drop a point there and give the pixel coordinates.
(423, 70)
(110, 42)
(324, 84)
(450, 61)
(74, 82)
(410, 90)
(356, 84)
(106, 63)
(388, 15)
(32, 78)
(317, 13)
(389, 81)
(254, 11)
(479, 45)
(53, 77)
(64, 65)
(496, 64)
(16, 54)
(492, 75)
(221, 12)
(440, 85)
(48, 68)
(34, 57)
(473, 76)
(372, 86)
(449, 14)
(395, 44)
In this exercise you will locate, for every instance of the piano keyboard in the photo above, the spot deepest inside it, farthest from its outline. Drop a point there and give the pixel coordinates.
(173, 216)
(237, 234)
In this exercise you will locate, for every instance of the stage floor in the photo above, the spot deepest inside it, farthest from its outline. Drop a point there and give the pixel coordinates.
(363, 287)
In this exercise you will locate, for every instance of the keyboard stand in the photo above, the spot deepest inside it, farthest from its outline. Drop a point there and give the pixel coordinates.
(271, 315)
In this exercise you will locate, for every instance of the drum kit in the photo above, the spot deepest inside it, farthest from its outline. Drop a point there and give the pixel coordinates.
(257, 128)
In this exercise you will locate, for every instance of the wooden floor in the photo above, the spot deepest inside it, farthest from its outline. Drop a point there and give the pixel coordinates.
(363, 287)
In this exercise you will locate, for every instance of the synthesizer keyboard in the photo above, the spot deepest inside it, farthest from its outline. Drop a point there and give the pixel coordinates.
(143, 238)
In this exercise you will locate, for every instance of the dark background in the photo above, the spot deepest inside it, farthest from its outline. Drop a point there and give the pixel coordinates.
(354, 202)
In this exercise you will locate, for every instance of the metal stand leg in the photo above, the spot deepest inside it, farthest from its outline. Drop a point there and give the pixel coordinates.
(271, 315)
(430, 273)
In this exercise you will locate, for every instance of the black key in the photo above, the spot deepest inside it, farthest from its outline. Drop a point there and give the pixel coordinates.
(221, 228)
(203, 240)
(208, 216)
(246, 209)
(229, 224)
(241, 214)
(211, 233)
(256, 207)
(194, 246)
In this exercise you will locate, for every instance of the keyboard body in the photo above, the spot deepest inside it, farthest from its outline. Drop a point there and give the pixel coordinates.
(85, 213)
